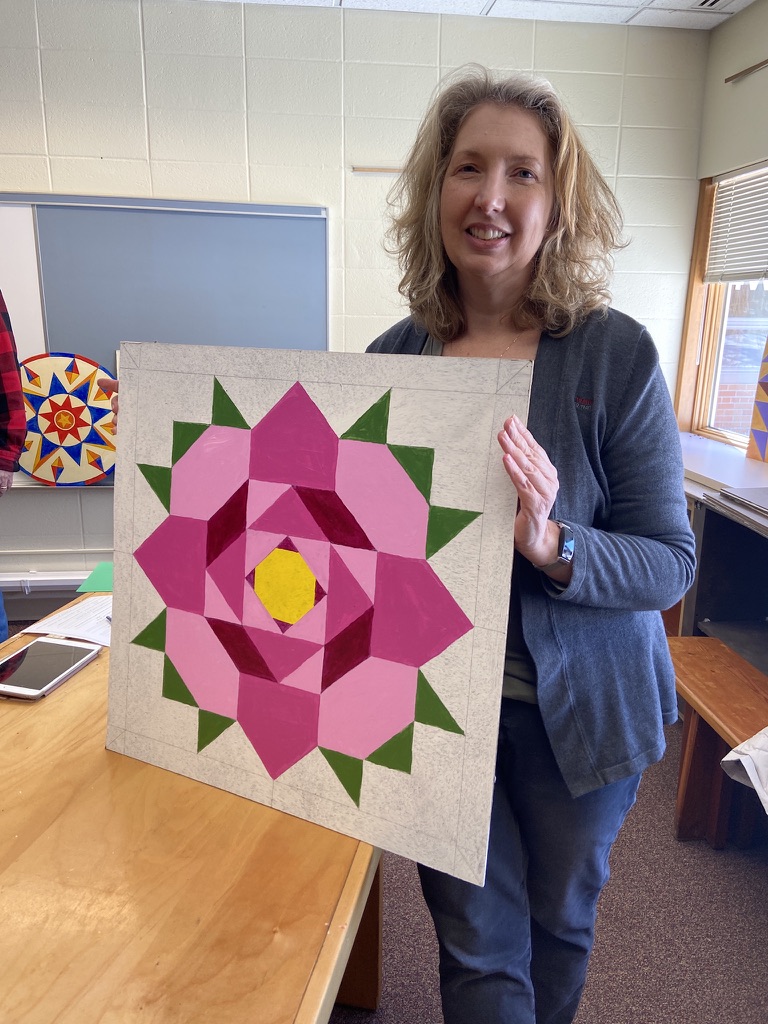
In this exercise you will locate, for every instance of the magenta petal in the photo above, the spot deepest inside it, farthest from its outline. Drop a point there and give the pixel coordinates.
(415, 617)
(294, 444)
(280, 721)
(288, 515)
(346, 600)
(173, 557)
(282, 654)
(228, 572)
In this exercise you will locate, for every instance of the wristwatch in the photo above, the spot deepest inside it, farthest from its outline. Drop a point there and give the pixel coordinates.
(564, 548)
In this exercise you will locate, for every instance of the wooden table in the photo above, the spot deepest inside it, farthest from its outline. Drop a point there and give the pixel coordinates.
(128, 893)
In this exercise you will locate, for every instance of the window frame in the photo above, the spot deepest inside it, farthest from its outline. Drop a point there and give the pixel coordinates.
(702, 323)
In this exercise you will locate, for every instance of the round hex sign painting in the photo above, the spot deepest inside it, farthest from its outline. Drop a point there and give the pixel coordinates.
(70, 437)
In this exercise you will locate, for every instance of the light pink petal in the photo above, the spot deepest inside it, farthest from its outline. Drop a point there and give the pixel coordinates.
(308, 676)
(215, 605)
(254, 612)
(257, 546)
(173, 557)
(261, 495)
(210, 472)
(202, 662)
(382, 497)
(367, 707)
(280, 721)
(294, 443)
(362, 565)
(312, 625)
(415, 618)
(316, 553)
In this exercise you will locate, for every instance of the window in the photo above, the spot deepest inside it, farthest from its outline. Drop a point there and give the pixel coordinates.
(726, 325)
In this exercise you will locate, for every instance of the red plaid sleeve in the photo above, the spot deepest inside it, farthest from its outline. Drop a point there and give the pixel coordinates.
(13, 418)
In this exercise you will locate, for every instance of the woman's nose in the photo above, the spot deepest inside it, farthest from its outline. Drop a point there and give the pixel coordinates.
(490, 196)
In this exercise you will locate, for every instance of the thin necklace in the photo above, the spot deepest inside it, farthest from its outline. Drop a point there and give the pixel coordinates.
(509, 346)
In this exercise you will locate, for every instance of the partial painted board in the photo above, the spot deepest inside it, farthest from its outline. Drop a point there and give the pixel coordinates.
(313, 555)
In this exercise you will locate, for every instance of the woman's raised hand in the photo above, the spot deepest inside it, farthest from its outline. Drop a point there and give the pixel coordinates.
(535, 479)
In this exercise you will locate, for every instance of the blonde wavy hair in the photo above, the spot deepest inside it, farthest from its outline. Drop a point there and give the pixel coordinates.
(573, 267)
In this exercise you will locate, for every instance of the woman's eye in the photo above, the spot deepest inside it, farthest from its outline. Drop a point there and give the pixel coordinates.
(524, 173)
(466, 168)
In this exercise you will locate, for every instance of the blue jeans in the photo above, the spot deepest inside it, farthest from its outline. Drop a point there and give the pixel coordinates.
(515, 951)
(3, 620)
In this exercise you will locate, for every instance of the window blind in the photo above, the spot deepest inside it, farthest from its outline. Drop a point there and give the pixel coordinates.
(738, 248)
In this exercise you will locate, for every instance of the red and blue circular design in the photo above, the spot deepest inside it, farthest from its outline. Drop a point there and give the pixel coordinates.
(70, 431)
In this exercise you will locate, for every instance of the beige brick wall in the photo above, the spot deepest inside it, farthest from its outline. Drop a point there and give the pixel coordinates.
(265, 103)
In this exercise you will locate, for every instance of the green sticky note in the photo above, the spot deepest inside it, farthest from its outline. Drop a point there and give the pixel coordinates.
(100, 579)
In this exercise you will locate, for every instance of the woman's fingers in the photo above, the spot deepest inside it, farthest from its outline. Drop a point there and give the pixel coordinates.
(110, 387)
(535, 479)
(526, 462)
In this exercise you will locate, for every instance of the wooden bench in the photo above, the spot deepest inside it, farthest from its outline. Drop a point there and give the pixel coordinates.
(726, 702)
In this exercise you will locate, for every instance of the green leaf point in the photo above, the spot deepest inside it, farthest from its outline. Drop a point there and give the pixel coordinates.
(159, 479)
(445, 524)
(184, 436)
(209, 727)
(417, 463)
(174, 687)
(430, 710)
(396, 753)
(348, 770)
(373, 424)
(153, 635)
(225, 413)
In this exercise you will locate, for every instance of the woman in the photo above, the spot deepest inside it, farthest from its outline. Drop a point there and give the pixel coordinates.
(504, 235)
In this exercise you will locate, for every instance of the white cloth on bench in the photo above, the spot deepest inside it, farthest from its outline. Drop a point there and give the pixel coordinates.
(748, 764)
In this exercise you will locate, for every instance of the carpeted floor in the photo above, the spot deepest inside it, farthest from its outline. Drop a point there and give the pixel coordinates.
(681, 935)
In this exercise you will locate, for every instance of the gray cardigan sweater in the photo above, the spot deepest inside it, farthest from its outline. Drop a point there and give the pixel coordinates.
(601, 410)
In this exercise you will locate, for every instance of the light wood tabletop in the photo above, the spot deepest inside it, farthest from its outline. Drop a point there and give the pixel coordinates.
(128, 893)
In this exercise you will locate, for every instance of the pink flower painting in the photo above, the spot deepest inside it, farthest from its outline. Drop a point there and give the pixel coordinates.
(299, 597)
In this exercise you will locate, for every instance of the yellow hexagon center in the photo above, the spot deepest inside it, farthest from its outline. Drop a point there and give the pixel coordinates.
(285, 585)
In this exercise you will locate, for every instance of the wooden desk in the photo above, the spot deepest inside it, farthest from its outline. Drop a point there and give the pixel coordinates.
(128, 893)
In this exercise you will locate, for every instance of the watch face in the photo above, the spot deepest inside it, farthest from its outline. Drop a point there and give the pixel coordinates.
(565, 552)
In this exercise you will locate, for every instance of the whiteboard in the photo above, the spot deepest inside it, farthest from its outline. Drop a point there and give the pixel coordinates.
(113, 270)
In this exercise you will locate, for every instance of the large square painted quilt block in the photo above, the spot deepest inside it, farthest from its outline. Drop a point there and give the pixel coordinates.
(312, 563)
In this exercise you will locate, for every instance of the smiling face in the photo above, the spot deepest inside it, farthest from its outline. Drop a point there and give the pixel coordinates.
(497, 197)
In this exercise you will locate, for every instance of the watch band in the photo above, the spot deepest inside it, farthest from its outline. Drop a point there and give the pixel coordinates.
(565, 546)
